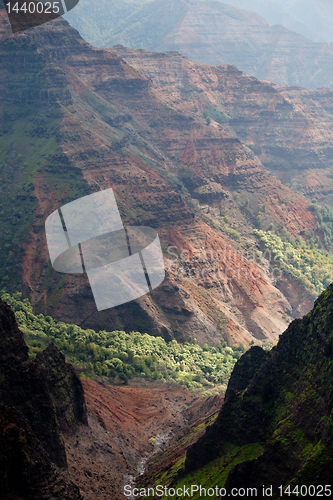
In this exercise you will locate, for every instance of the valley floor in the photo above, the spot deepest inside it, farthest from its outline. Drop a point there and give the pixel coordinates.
(127, 426)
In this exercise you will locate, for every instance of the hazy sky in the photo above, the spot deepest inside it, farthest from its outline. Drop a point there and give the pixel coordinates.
(311, 18)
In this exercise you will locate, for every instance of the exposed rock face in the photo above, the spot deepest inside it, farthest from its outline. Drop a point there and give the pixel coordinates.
(136, 123)
(245, 369)
(26, 471)
(65, 387)
(286, 406)
(289, 129)
(31, 445)
(23, 386)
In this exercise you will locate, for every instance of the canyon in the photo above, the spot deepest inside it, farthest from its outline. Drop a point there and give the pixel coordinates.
(67, 438)
(275, 424)
(217, 33)
(211, 158)
(137, 122)
(84, 439)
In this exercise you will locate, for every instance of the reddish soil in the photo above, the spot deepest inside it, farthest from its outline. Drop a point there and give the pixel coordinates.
(36, 253)
(105, 456)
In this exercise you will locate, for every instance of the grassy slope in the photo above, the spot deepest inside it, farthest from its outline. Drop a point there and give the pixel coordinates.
(211, 475)
(27, 132)
(33, 99)
(31, 111)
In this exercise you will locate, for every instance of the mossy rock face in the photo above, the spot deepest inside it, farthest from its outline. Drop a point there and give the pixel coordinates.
(284, 400)
(37, 402)
(23, 386)
(245, 369)
(65, 387)
(211, 445)
(26, 469)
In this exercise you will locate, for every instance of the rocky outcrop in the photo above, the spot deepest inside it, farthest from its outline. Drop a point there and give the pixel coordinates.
(24, 387)
(245, 369)
(26, 471)
(65, 387)
(286, 407)
(31, 444)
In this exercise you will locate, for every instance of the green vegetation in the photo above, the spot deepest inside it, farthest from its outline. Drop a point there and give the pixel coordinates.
(274, 415)
(213, 474)
(300, 260)
(31, 159)
(215, 114)
(325, 221)
(121, 356)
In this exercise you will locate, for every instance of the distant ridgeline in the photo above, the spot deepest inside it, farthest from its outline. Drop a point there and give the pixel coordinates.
(121, 356)
(276, 424)
(213, 32)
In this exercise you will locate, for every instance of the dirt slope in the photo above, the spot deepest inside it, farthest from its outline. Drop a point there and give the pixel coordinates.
(114, 449)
